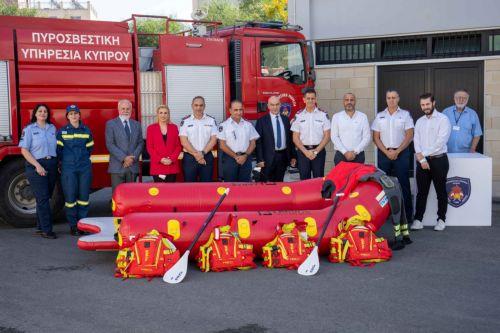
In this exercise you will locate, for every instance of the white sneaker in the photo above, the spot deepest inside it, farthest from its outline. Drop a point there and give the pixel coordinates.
(440, 225)
(417, 225)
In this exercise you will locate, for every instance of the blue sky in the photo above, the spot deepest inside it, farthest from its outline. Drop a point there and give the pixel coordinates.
(118, 10)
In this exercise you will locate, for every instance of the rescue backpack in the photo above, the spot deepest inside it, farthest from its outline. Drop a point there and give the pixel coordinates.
(151, 255)
(289, 248)
(359, 246)
(224, 251)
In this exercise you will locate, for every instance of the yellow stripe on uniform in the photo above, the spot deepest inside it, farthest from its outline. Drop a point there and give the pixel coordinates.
(70, 204)
(60, 143)
(75, 136)
(82, 203)
(90, 144)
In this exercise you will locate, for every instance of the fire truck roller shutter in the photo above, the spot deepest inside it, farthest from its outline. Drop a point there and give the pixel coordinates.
(5, 121)
(185, 82)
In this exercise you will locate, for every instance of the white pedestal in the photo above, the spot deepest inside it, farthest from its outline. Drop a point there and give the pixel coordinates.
(474, 210)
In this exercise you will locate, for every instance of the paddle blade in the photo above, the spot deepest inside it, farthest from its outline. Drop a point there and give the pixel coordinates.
(310, 266)
(177, 272)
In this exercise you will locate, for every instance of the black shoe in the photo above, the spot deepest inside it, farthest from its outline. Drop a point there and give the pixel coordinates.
(38, 232)
(73, 231)
(49, 235)
(407, 240)
(397, 245)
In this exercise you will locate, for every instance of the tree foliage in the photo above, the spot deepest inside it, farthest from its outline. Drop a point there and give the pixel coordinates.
(155, 26)
(229, 12)
(12, 10)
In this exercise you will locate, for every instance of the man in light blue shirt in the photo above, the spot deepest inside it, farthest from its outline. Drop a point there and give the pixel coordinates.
(465, 126)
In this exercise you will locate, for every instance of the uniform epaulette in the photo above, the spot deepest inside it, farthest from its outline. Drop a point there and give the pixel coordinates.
(186, 117)
(210, 116)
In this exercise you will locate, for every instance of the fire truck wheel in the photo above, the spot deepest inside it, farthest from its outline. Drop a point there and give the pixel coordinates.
(17, 203)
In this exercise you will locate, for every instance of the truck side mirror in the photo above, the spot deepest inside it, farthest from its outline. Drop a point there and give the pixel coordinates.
(312, 74)
(261, 107)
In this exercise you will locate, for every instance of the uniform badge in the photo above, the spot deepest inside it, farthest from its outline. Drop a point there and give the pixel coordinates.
(285, 109)
(459, 190)
(221, 128)
(22, 135)
(182, 122)
(64, 132)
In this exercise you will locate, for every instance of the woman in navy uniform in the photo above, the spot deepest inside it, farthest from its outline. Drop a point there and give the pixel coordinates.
(74, 145)
(38, 146)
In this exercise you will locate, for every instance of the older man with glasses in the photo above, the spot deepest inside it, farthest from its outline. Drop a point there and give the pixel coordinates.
(465, 125)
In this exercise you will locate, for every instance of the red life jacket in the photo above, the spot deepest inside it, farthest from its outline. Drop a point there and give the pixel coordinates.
(149, 256)
(224, 251)
(359, 246)
(289, 248)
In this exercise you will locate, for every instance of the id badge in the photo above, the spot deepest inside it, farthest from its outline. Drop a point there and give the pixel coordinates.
(456, 128)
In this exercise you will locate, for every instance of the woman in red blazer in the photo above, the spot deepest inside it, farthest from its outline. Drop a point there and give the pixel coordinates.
(164, 147)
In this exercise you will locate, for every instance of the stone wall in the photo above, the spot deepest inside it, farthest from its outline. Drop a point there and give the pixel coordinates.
(492, 113)
(333, 83)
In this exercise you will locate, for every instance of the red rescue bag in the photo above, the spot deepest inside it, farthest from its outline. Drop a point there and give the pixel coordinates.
(359, 247)
(149, 256)
(289, 248)
(224, 251)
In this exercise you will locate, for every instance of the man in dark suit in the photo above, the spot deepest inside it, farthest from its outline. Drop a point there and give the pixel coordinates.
(124, 142)
(275, 149)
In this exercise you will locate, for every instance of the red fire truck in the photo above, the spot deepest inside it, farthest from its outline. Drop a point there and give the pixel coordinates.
(94, 64)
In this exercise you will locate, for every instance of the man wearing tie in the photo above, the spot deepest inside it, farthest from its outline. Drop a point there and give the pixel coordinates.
(274, 147)
(124, 143)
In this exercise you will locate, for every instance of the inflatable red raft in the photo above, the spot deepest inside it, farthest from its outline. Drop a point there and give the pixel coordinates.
(179, 209)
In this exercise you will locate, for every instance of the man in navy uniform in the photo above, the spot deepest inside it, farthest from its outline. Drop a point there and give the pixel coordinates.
(198, 136)
(311, 133)
(237, 140)
(392, 134)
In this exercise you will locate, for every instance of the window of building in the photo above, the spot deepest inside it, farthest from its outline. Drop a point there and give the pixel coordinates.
(456, 45)
(404, 48)
(446, 45)
(344, 52)
(76, 17)
(494, 43)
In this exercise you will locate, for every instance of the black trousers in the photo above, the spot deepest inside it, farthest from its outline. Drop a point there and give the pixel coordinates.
(306, 166)
(339, 157)
(399, 168)
(194, 171)
(42, 188)
(276, 171)
(437, 174)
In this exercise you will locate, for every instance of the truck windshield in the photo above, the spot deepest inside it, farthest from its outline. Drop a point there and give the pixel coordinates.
(282, 60)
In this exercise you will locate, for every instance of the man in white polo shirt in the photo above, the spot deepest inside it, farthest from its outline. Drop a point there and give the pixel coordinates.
(350, 132)
(432, 131)
(392, 134)
(237, 140)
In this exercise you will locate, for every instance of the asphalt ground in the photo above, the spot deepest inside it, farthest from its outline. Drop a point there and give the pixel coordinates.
(444, 282)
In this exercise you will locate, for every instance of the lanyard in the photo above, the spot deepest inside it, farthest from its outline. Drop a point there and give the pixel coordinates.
(455, 115)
